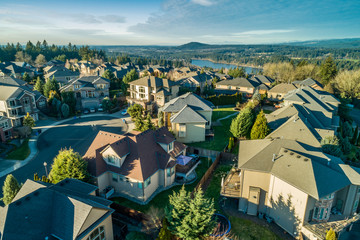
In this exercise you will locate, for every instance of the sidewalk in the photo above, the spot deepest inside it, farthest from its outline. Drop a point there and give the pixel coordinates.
(8, 166)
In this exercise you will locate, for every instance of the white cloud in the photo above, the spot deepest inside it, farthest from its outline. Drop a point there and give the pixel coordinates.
(264, 32)
(203, 2)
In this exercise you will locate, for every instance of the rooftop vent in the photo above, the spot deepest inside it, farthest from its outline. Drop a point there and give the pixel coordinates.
(36, 193)
(306, 159)
(285, 151)
(18, 203)
(291, 153)
(27, 198)
(298, 156)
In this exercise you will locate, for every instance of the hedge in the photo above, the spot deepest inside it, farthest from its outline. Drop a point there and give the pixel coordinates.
(223, 99)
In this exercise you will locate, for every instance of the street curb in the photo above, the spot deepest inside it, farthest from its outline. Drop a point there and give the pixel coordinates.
(33, 141)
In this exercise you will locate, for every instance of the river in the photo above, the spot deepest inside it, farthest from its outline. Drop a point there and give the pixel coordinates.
(207, 63)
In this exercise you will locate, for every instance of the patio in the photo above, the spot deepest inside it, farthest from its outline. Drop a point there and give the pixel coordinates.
(231, 184)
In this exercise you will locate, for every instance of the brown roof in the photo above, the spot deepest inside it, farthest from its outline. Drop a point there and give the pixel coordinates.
(145, 155)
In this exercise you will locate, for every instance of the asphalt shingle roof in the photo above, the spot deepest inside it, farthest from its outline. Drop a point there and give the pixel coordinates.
(187, 115)
(190, 99)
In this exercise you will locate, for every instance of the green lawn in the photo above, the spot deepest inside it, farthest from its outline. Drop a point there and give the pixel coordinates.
(267, 111)
(221, 138)
(248, 230)
(161, 200)
(21, 152)
(221, 112)
(213, 190)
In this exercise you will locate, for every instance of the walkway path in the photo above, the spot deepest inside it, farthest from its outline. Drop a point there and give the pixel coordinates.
(218, 122)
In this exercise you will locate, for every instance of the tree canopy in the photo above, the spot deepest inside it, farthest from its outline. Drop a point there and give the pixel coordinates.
(10, 188)
(242, 124)
(260, 128)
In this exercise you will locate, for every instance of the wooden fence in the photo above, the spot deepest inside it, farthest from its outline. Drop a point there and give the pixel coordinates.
(209, 172)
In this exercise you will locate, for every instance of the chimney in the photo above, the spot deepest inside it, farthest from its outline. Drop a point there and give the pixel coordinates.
(329, 160)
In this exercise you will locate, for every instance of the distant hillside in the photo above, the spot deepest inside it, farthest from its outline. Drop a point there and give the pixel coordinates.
(194, 45)
(330, 43)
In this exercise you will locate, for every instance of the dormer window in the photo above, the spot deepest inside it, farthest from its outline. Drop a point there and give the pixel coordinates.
(111, 159)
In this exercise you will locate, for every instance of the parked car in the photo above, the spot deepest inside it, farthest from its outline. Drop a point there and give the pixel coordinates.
(86, 111)
(100, 108)
(92, 110)
(124, 112)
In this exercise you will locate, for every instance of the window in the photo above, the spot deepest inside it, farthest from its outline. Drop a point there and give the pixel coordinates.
(114, 177)
(140, 185)
(14, 112)
(147, 182)
(142, 89)
(26, 101)
(182, 130)
(171, 146)
(97, 234)
(12, 103)
(170, 171)
(76, 86)
(142, 95)
(111, 159)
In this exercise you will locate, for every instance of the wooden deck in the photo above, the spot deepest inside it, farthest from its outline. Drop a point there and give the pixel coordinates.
(231, 186)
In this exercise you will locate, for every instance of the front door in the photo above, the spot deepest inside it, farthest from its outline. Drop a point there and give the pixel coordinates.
(253, 200)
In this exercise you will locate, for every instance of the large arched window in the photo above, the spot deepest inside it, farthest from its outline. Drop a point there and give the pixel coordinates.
(97, 234)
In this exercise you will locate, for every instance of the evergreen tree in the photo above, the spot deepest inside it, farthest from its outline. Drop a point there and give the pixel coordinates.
(242, 124)
(68, 164)
(10, 189)
(130, 76)
(331, 235)
(135, 111)
(26, 77)
(51, 85)
(198, 223)
(69, 99)
(355, 136)
(328, 70)
(160, 119)
(39, 86)
(65, 110)
(139, 124)
(107, 104)
(347, 130)
(178, 208)
(148, 124)
(260, 128)
(36, 177)
(345, 145)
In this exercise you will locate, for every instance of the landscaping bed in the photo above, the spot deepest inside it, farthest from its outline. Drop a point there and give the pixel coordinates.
(21, 152)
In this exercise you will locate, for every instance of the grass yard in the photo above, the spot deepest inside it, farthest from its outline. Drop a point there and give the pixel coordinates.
(248, 230)
(21, 152)
(213, 190)
(161, 200)
(221, 138)
(221, 112)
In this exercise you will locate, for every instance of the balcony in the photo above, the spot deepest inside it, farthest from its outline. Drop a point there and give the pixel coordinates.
(231, 184)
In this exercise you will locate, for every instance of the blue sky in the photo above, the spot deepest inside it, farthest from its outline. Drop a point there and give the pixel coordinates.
(174, 22)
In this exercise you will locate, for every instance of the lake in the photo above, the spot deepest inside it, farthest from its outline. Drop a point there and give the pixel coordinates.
(207, 63)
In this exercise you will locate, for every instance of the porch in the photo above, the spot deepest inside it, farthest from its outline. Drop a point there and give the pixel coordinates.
(231, 185)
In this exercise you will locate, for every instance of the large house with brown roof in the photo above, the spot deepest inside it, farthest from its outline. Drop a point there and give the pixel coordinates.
(136, 165)
(152, 92)
(278, 92)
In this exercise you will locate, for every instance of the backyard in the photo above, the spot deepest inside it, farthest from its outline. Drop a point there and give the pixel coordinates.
(21, 152)
(221, 131)
(161, 199)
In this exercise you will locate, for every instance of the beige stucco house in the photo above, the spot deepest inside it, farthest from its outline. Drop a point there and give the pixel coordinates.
(243, 85)
(66, 210)
(136, 165)
(278, 92)
(295, 184)
(152, 92)
(189, 117)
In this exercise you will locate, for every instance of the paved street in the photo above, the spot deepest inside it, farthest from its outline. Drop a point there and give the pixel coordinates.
(77, 134)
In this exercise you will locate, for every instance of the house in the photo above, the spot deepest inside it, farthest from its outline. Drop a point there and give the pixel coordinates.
(262, 79)
(17, 99)
(6, 129)
(12, 69)
(88, 90)
(243, 85)
(152, 92)
(136, 165)
(310, 83)
(295, 184)
(56, 63)
(119, 71)
(278, 92)
(196, 79)
(189, 117)
(61, 74)
(85, 68)
(66, 210)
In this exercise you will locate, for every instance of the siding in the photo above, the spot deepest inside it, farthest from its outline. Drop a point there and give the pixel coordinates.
(195, 132)
(107, 223)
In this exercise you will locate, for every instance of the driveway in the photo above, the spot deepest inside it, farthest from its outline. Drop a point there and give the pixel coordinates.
(77, 134)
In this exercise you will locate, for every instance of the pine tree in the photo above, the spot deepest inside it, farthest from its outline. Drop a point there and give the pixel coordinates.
(178, 209)
(36, 177)
(39, 86)
(29, 121)
(148, 124)
(68, 164)
(26, 77)
(51, 85)
(260, 128)
(198, 223)
(164, 233)
(10, 189)
(242, 124)
(328, 70)
(331, 235)
(65, 110)
(139, 124)
(355, 137)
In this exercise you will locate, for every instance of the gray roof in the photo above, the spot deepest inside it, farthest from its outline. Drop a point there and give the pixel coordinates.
(187, 115)
(263, 79)
(155, 82)
(300, 165)
(282, 88)
(11, 81)
(7, 92)
(40, 210)
(308, 82)
(239, 82)
(190, 99)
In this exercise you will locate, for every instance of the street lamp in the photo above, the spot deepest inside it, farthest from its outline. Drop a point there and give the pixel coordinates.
(45, 165)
